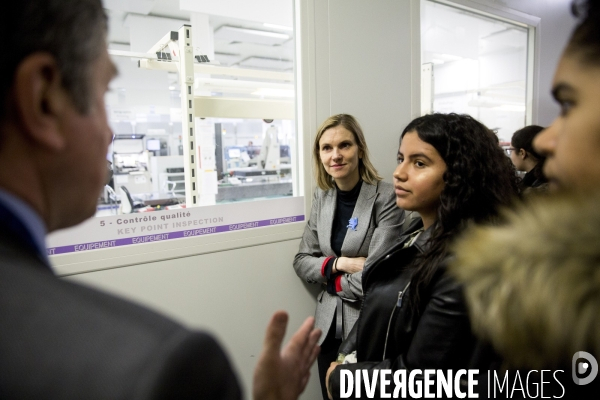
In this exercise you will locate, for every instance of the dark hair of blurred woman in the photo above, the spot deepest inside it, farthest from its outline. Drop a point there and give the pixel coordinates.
(525, 158)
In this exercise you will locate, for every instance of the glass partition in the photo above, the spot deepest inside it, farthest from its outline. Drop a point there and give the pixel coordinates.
(477, 65)
(203, 114)
(242, 101)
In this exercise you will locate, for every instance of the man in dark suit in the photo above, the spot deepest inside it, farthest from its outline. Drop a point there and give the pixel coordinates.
(59, 340)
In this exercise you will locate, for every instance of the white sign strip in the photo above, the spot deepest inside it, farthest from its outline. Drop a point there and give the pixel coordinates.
(130, 229)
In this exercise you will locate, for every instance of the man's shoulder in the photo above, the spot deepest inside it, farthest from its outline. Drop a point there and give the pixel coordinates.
(76, 339)
(26, 281)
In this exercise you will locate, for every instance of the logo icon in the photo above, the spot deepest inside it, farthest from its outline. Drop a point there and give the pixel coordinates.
(353, 223)
(584, 364)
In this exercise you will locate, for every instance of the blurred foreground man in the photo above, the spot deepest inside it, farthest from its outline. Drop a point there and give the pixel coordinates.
(59, 340)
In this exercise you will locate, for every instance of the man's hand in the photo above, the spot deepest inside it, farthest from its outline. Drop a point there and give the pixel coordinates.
(329, 371)
(283, 374)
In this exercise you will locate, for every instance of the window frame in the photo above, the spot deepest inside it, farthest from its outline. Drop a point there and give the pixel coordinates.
(115, 257)
(529, 22)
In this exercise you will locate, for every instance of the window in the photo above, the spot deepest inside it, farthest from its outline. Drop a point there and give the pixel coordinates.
(476, 64)
(234, 127)
(203, 113)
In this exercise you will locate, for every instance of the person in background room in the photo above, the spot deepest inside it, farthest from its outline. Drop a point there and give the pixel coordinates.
(452, 172)
(353, 219)
(533, 285)
(525, 158)
(60, 340)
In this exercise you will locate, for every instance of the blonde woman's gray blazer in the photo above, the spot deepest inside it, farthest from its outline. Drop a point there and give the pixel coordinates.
(379, 227)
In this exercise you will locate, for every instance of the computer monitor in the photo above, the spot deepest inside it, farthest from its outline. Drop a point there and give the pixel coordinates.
(153, 144)
(234, 153)
(128, 146)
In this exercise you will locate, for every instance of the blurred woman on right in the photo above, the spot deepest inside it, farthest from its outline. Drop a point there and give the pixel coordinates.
(525, 158)
(533, 285)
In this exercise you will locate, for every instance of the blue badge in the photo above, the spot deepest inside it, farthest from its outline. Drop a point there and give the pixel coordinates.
(353, 222)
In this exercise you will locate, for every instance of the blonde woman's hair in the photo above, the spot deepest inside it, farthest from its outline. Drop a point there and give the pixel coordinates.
(366, 170)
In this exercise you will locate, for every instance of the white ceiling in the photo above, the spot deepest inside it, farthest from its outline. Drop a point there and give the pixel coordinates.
(229, 51)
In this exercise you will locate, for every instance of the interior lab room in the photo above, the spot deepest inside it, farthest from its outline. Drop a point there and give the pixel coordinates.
(212, 171)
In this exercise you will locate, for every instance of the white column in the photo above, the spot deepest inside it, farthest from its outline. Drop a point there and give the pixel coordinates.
(189, 136)
(204, 44)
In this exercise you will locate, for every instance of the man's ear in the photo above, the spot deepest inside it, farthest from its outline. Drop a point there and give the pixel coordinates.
(522, 154)
(40, 100)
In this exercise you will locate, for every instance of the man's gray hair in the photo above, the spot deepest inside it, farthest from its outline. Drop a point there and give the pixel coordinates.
(73, 31)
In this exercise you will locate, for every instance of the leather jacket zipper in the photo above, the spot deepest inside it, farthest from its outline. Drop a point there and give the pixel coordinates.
(397, 305)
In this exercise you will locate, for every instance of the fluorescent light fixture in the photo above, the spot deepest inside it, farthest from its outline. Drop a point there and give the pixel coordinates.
(451, 57)
(511, 107)
(266, 63)
(274, 92)
(262, 33)
(245, 35)
(437, 61)
(275, 26)
(227, 58)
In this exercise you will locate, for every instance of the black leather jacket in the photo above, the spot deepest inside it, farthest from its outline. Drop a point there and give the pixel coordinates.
(390, 335)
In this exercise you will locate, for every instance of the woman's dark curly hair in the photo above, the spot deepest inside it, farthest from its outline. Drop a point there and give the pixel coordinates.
(479, 179)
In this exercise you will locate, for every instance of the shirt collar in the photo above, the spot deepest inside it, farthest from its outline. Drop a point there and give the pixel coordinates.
(30, 219)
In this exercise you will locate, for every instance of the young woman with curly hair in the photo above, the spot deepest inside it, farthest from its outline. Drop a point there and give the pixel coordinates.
(452, 172)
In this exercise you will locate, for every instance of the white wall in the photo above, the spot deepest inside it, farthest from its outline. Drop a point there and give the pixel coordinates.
(363, 66)
(358, 58)
(231, 294)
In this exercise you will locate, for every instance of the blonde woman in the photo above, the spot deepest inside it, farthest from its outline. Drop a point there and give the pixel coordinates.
(354, 218)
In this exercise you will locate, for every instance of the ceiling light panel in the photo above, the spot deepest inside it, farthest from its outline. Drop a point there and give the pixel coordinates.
(282, 27)
(143, 7)
(267, 63)
(226, 58)
(245, 35)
